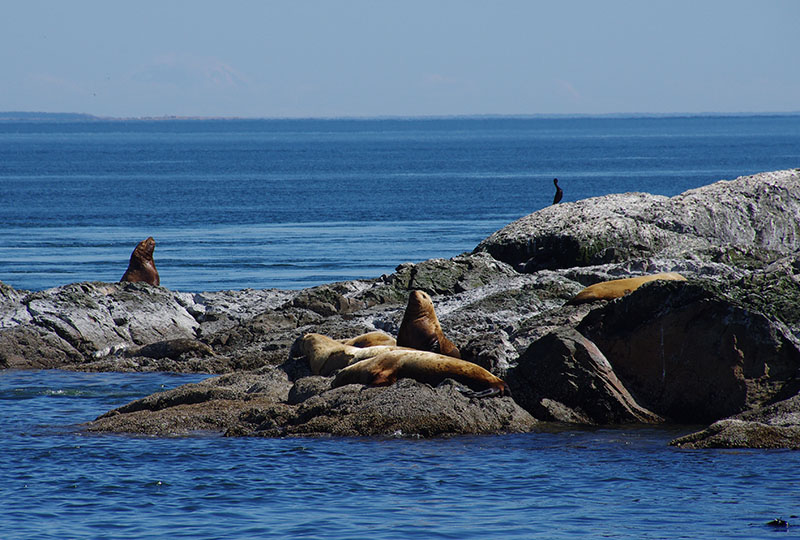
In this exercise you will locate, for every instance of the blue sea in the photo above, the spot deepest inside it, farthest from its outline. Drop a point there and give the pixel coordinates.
(239, 204)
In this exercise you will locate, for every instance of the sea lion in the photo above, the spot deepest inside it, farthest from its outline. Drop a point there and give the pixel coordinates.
(423, 366)
(142, 267)
(370, 339)
(608, 290)
(559, 193)
(420, 328)
(325, 355)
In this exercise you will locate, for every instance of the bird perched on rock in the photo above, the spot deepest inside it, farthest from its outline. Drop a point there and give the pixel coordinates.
(559, 192)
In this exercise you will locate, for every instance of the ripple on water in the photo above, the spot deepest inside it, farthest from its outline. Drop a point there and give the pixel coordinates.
(57, 483)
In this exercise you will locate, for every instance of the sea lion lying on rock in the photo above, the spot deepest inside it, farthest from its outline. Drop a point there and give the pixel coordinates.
(383, 365)
(326, 355)
(616, 288)
(390, 365)
(370, 339)
(420, 328)
(142, 267)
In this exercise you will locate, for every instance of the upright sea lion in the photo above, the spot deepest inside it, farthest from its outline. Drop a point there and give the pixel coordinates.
(142, 267)
(420, 328)
(325, 355)
(423, 366)
(608, 290)
(370, 339)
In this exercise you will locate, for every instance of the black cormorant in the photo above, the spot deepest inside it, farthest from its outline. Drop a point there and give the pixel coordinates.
(559, 193)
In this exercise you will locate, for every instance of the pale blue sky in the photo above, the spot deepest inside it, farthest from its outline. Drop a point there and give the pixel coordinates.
(404, 58)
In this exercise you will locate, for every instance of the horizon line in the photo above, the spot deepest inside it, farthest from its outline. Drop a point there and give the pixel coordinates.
(89, 117)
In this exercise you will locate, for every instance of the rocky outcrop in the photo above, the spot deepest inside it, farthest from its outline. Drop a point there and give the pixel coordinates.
(723, 342)
(102, 326)
(564, 377)
(752, 217)
(262, 404)
(212, 405)
(774, 426)
(692, 355)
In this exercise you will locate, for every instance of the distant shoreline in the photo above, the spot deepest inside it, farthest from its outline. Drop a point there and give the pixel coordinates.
(66, 117)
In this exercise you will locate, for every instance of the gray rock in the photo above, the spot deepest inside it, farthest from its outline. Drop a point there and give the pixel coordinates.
(13, 311)
(211, 405)
(774, 426)
(564, 377)
(260, 405)
(29, 347)
(754, 216)
(692, 355)
(98, 318)
(407, 408)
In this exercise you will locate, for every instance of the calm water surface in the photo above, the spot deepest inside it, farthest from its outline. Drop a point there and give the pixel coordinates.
(295, 203)
(290, 204)
(627, 483)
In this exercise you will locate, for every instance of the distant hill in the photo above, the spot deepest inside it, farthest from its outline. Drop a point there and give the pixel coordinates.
(46, 117)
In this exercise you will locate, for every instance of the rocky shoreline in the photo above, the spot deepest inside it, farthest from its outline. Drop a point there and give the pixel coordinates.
(720, 349)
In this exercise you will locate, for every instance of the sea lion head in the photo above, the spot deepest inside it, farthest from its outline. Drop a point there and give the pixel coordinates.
(317, 348)
(420, 306)
(145, 248)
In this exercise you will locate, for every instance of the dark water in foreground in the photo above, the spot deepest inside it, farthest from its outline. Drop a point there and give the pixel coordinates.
(624, 483)
(297, 203)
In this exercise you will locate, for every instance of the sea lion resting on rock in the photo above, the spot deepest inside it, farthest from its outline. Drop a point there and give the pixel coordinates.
(142, 267)
(325, 355)
(608, 290)
(420, 328)
(423, 366)
(370, 339)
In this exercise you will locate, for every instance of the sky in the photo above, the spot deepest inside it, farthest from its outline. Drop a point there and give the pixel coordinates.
(374, 58)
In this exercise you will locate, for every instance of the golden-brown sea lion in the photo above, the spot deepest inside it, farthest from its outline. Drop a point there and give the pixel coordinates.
(370, 339)
(608, 290)
(420, 328)
(142, 267)
(325, 355)
(423, 366)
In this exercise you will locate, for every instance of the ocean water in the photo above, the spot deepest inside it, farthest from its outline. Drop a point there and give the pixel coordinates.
(295, 203)
(235, 204)
(58, 483)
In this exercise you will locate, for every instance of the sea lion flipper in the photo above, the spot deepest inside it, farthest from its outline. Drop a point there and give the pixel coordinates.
(384, 377)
